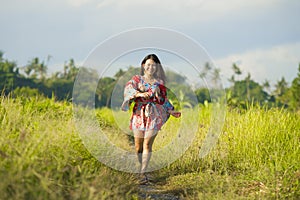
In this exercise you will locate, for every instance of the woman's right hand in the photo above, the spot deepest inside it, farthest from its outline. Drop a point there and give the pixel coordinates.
(143, 95)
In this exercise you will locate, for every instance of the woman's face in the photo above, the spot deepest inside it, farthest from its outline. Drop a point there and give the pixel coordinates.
(149, 67)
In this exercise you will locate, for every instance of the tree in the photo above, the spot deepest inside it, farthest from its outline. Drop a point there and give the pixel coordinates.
(248, 79)
(202, 95)
(84, 90)
(232, 79)
(119, 74)
(179, 91)
(237, 71)
(8, 74)
(70, 70)
(295, 92)
(216, 76)
(266, 85)
(281, 87)
(1, 56)
(61, 83)
(104, 91)
(248, 90)
(175, 78)
(36, 69)
(280, 93)
(207, 68)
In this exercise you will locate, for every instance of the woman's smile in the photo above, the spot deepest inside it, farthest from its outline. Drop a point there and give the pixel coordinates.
(150, 67)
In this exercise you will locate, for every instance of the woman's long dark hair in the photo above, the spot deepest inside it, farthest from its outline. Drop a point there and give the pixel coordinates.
(159, 73)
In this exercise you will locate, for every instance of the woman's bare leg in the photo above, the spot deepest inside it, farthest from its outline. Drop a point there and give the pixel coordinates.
(147, 149)
(138, 143)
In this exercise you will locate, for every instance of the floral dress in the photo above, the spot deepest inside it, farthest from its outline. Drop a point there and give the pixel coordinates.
(147, 114)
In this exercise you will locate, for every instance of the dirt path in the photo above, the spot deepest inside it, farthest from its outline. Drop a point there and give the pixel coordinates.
(151, 191)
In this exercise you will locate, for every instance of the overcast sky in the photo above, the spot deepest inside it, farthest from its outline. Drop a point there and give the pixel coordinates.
(262, 37)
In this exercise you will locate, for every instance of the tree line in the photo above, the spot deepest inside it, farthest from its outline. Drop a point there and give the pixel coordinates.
(32, 80)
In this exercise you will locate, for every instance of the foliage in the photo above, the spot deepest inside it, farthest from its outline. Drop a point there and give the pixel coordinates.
(42, 156)
(36, 69)
(295, 92)
(179, 92)
(104, 91)
(248, 90)
(202, 95)
(256, 158)
(25, 92)
(241, 93)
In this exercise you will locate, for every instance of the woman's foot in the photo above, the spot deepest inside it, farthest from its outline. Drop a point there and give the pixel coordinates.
(144, 179)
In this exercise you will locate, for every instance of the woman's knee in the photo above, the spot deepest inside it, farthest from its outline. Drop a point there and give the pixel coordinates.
(138, 145)
(139, 148)
(148, 145)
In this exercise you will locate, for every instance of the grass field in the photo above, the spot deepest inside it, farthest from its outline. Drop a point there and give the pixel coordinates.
(42, 156)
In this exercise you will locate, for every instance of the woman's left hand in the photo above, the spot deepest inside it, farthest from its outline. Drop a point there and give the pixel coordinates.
(174, 113)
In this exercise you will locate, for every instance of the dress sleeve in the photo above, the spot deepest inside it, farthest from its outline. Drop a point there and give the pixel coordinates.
(130, 90)
(167, 105)
(164, 99)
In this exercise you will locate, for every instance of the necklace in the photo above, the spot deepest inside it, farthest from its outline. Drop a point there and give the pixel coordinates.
(149, 80)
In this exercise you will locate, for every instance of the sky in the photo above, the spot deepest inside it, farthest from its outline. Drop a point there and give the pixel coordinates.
(261, 37)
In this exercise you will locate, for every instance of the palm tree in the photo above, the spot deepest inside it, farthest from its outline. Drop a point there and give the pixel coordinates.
(248, 79)
(216, 76)
(119, 74)
(266, 85)
(236, 69)
(70, 70)
(42, 70)
(39, 69)
(206, 69)
(281, 87)
(295, 95)
(280, 93)
(232, 80)
(1, 56)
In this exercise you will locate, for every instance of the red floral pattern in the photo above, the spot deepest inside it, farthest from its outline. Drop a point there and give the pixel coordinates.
(147, 114)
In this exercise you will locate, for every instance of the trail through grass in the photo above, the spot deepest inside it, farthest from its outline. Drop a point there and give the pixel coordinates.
(42, 156)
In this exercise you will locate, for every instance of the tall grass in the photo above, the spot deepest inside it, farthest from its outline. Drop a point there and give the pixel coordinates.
(42, 157)
(257, 156)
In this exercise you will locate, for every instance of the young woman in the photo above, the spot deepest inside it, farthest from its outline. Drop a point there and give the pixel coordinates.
(151, 109)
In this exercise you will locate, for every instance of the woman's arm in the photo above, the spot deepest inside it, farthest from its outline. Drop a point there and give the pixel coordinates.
(168, 105)
(130, 92)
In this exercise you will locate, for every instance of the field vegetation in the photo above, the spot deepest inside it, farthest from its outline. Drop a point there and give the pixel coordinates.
(43, 157)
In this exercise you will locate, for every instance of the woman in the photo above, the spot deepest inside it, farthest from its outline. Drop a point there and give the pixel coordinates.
(151, 110)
